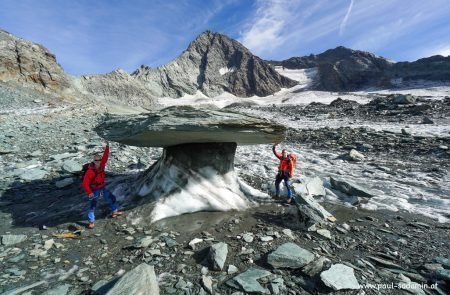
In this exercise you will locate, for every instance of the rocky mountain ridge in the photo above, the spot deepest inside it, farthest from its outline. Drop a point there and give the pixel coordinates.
(212, 64)
(344, 69)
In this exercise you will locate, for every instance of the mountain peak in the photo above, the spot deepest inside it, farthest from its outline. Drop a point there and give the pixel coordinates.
(214, 63)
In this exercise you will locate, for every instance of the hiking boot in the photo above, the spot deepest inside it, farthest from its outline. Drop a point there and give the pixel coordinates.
(289, 200)
(117, 213)
(91, 225)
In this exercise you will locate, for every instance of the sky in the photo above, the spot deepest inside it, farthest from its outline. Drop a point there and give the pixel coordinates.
(90, 37)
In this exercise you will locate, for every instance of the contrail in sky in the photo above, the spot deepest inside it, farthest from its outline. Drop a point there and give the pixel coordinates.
(344, 21)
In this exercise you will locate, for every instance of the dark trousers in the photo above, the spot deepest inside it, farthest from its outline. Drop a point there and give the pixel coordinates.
(283, 175)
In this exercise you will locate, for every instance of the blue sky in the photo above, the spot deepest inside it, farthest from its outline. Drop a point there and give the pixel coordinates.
(90, 36)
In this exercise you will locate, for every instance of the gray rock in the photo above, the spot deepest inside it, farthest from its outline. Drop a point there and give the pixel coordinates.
(9, 240)
(316, 266)
(72, 166)
(30, 174)
(349, 188)
(248, 281)
(59, 290)
(288, 233)
(144, 242)
(181, 125)
(443, 274)
(427, 120)
(207, 284)
(140, 280)
(402, 99)
(247, 237)
(64, 182)
(442, 260)
(217, 256)
(310, 212)
(354, 155)
(385, 263)
(290, 255)
(15, 271)
(340, 277)
(266, 239)
(324, 233)
(232, 269)
(312, 186)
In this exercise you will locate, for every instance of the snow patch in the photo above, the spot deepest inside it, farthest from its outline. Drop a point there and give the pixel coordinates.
(226, 70)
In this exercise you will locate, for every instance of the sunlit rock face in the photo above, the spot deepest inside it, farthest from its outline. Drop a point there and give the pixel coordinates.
(24, 61)
(196, 169)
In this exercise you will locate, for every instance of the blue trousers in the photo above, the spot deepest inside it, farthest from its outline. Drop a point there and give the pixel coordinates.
(283, 175)
(93, 202)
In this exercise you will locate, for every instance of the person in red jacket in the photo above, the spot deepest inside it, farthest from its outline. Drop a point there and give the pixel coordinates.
(94, 185)
(285, 169)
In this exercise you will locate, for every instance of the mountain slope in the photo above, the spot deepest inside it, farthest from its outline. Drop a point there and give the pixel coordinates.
(344, 69)
(214, 63)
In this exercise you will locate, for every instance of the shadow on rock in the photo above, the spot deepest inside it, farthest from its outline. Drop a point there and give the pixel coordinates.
(41, 203)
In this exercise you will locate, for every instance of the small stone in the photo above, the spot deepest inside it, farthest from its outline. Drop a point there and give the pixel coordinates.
(354, 155)
(324, 233)
(232, 269)
(288, 233)
(49, 244)
(290, 255)
(266, 239)
(248, 237)
(207, 284)
(193, 242)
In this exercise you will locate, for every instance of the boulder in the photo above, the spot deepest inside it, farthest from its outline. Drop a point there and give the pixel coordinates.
(340, 277)
(349, 188)
(140, 280)
(217, 256)
(290, 255)
(248, 281)
(183, 125)
(310, 212)
(72, 166)
(31, 174)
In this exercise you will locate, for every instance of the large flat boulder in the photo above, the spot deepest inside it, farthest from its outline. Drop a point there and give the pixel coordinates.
(181, 125)
(290, 255)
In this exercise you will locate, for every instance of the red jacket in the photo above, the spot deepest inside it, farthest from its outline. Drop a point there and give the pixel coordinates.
(95, 178)
(285, 163)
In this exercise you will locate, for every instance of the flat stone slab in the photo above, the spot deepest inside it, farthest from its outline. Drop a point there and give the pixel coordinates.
(181, 125)
(290, 255)
(340, 277)
(248, 281)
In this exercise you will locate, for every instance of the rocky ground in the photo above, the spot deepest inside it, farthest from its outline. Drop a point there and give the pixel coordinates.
(45, 247)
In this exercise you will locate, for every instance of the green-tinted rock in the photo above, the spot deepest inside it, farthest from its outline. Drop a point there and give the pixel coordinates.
(290, 255)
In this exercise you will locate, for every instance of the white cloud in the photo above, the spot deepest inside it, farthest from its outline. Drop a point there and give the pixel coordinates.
(264, 32)
(344, 21)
